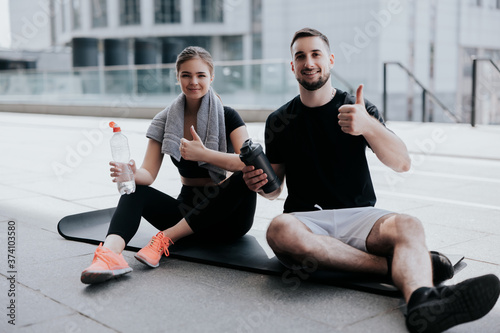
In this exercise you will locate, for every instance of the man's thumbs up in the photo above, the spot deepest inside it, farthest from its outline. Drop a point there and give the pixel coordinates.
(359, 96)
(353, 118)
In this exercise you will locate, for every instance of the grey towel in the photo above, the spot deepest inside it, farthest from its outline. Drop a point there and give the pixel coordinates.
(210, 127)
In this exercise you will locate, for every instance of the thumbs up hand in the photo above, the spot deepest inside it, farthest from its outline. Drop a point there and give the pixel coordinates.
(192, 150)
(353, 118)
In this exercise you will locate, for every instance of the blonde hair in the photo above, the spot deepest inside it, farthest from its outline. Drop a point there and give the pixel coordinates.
(192, 52)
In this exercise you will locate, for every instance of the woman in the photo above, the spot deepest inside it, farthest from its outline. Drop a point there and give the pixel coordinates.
(199, 134)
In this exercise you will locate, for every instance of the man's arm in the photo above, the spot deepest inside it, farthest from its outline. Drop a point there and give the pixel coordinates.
(255, 179)
(389, 148)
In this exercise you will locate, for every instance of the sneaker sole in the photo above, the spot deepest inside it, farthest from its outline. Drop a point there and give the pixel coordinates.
(470, 300)
(145, 261)
(93, 277)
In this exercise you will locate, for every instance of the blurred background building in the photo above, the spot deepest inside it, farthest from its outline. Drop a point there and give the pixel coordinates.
(95, 52)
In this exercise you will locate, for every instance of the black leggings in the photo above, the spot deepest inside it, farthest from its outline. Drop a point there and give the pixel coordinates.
(221, 212)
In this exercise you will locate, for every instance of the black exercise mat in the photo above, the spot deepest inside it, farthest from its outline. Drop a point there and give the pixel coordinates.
(249, 253)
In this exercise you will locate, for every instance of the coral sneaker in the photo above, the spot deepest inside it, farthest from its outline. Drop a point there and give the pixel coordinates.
(105, 265)
(151, 253)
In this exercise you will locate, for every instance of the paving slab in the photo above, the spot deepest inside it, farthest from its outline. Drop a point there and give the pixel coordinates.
(460, 217)
(35, 308)
(482, 249)
(41, 210)
(70, 323)
(449, 238)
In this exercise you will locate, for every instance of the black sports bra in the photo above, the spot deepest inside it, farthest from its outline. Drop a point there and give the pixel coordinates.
(190, 169)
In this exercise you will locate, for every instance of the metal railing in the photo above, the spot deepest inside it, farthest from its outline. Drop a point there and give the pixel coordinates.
(474, 86)
(425, 94)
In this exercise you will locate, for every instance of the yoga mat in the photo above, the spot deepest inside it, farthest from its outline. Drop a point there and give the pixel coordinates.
(249, 253)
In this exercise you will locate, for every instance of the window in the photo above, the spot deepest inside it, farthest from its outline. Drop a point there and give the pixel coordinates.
(99, 14)
(167, 11)
(130, 12)
(257, 11)
(232, 48)
(172, 46)
(75, 4)
(206, 11)
(256, 29)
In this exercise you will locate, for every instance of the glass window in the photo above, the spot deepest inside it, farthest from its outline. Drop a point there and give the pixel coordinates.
(256, 29)
(257, 11)
(206, 11)
(172, 46)
(167, 11)
(257, 46)
(232, 48)
(99, 13)
(130, 12)
(75, 4)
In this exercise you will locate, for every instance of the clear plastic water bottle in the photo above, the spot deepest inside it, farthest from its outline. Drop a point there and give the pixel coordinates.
(121, 154)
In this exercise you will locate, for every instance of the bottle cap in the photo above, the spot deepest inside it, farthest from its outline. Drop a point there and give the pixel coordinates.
(115, 127)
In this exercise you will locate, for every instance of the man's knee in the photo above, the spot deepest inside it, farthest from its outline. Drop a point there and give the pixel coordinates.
(408, 227)
(275, 231)
(283, 235)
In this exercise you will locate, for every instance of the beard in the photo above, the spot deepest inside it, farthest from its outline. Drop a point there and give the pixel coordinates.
(311, 86)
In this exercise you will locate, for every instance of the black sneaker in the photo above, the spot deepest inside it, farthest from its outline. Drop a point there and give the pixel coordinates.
(442, 268)
(440, 308)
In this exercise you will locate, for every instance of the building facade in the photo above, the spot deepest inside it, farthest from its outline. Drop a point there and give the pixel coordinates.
(155, 31)
(435, 40)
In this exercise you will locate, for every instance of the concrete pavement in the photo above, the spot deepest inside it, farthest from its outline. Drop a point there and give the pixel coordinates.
(53, 166)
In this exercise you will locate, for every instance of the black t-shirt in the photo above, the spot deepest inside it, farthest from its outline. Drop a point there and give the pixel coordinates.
(323, 165)
(191, 169)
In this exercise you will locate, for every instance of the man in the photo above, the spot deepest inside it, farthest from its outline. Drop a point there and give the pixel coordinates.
(318, 141)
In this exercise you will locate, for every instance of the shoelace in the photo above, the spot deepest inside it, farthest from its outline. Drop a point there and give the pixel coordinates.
(99, 254)
(158, 241)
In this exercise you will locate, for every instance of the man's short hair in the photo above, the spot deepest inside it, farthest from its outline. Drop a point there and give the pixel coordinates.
(309, 32)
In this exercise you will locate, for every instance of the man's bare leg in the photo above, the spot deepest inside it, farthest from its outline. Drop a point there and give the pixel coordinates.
(399, 235)
(290, 237)
(404, 236)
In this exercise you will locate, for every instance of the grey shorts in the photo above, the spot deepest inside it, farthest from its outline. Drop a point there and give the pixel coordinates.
(349, 225)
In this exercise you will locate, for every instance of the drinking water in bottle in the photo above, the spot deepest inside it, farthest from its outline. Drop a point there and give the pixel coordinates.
(121, 155)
